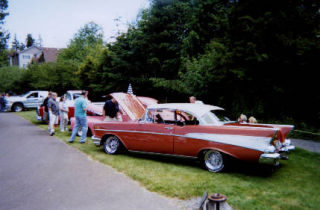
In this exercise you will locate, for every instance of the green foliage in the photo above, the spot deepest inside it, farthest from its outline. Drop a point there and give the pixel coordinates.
(29, 40)
(254, 57)
(9, 76)
(84, 43)
(4, 35)
(49, 76)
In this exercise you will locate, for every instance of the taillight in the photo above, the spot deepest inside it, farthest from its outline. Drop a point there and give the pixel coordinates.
(277, 143)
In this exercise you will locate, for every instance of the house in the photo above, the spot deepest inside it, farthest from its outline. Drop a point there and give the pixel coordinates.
(33, 54)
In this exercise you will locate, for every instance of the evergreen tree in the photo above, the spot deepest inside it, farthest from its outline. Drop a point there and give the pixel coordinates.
(29, 40)
(4, 35)
(15, 43)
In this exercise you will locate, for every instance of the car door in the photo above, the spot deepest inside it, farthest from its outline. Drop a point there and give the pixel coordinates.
(31, 100)
(154, 137)
(40, 100)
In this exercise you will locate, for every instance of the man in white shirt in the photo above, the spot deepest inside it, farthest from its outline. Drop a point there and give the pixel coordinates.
(194, 100)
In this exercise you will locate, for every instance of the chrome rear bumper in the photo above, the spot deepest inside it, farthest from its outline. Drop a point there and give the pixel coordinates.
(273, 158)
(270, 159)
(96, 140)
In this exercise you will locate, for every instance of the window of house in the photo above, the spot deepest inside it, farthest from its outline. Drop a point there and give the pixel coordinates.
(26, 56)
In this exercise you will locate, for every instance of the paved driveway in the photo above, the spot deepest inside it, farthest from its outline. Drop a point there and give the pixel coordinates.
(38, 171)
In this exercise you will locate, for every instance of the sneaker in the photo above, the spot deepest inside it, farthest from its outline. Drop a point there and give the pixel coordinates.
(51, 134)
(70, 141)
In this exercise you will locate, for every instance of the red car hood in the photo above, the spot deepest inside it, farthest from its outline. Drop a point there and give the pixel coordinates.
(130, 104)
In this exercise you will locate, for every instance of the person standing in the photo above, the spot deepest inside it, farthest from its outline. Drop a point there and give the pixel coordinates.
(80, 109)
(111, 111)
(53, 108)
(2, 102)
(193, 100)
(45, 110)
(63, 108)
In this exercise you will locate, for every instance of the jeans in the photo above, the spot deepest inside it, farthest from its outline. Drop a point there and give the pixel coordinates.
(63, 121)
(80, 121)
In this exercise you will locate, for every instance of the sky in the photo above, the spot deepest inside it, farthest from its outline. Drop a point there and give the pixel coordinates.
(56, 21)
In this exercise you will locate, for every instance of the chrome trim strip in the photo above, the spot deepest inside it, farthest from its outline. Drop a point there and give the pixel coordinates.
(163, 154)
(96, 140)
(252, 128)
(249, 142)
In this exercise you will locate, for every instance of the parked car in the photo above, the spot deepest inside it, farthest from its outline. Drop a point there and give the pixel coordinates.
(131, 108)
(71, 96)
(197, 131)
(31, 99)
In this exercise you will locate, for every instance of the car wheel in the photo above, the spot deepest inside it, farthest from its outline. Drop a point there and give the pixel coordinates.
(79, 132)
(112, 145)
(17, 107)
(213, 161)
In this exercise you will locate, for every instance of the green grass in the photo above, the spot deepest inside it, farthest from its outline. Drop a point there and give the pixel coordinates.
(294, 185)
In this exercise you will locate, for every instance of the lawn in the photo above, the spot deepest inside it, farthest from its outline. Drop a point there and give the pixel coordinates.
(293, 185)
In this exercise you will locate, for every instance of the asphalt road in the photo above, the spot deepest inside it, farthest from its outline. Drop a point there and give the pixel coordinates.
(310, 145)
(38, 171)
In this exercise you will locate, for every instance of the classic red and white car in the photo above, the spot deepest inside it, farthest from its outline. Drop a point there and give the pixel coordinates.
(195, 130)
(131, 109)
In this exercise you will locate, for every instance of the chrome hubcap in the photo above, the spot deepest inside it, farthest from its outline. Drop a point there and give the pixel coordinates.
(80, 131)
(18, 108)
(213, 160)
(112, 144)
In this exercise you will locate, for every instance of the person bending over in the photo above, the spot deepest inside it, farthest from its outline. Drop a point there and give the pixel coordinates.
(111, 111)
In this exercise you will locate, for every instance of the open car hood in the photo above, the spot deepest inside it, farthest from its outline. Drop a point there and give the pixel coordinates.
(130, 104)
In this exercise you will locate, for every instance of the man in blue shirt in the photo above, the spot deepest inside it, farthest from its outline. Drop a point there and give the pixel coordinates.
(80, 114)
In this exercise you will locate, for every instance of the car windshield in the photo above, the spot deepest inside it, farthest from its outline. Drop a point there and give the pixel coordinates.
(221, 115)
(215, 117)
(26, 94)
(76, 95)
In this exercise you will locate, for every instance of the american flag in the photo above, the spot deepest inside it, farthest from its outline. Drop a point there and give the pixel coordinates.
(130, 89)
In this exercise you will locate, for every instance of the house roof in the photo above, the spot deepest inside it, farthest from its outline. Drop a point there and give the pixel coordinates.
(50, 54)
(29, 48)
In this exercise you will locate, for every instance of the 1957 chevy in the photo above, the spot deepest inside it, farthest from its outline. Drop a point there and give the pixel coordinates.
(196, 130)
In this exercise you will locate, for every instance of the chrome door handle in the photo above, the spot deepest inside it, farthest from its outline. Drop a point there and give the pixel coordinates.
(168, 128)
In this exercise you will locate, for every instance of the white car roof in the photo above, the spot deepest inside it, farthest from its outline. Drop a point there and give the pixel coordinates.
(197, 109)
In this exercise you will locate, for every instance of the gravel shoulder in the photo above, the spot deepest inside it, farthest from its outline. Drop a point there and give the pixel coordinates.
(309, 145)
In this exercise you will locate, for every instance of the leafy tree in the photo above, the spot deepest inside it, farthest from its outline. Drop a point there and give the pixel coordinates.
(4, 35)
(29, 40)
(9, 76)
(87, 38)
